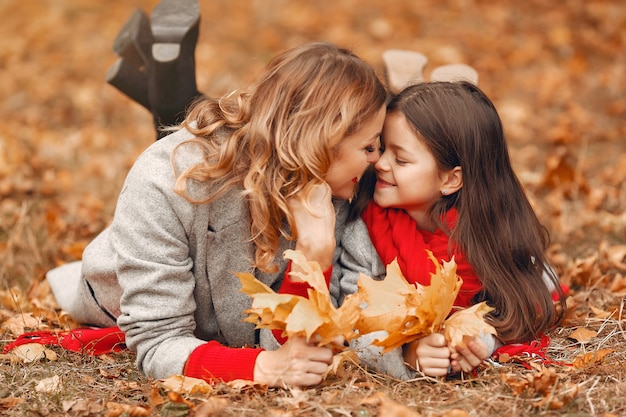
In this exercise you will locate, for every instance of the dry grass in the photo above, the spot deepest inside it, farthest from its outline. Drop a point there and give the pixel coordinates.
(556, 73)
(89, 383)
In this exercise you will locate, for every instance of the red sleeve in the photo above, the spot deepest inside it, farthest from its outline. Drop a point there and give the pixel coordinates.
(213, 361)
(296, 288)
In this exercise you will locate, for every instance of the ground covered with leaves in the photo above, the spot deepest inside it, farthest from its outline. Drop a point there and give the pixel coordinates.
(557, 74)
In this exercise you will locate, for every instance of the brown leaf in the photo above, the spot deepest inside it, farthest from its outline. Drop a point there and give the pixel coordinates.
(211, 407)
(185, 385)
(10, 402)
(31, 352)
(546, 382)
(591, 358)
(618, 285)
(582, 335)
(616, 255)
(388, 407)
(562, 173)
(243, 385)
(116, 410)
(515, 382)
(599, 313)
(21, 323)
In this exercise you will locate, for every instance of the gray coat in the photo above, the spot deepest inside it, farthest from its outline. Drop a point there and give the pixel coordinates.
(163, 270)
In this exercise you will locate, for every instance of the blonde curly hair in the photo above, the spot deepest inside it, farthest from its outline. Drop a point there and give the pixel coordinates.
(279, 137)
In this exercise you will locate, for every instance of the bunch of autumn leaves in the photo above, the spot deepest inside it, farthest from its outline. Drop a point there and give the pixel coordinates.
(404, 311)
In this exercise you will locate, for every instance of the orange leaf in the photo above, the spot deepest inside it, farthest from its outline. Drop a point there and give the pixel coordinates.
(313, 318)
(469, 322)
(591, 358)
(405, 311)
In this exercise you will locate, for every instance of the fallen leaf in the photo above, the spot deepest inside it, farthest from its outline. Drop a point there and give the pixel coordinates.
(455, 412)
(241, 385)
(388, 407)
(49, 385)
(599, 313)
(515, 382)
(582, 335)
(618, 285)
(546, 382)
(116, 410)
(211, 407)
(81, 407)
(591, 358)
(32, 352)
(616, 255)
(20, 323)
(185, 385)
(10, 402)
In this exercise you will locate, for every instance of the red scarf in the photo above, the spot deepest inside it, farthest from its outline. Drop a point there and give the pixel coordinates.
(395, 235)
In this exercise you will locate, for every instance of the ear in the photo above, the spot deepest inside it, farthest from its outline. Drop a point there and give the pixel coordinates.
(452, 181)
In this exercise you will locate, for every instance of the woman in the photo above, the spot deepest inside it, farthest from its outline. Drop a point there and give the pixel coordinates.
(229, 192)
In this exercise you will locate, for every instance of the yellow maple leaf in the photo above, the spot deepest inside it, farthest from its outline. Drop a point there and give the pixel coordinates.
(467, 323)
(405, 311)
(313, 318)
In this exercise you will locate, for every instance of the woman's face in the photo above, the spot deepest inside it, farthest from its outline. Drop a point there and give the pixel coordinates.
(354, 154)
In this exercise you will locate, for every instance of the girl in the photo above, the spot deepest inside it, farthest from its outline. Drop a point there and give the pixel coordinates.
(222, 195)
(444, 182)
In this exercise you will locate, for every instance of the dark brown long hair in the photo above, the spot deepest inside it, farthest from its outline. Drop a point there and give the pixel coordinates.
(497, 228)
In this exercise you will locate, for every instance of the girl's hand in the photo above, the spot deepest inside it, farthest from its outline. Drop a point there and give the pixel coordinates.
(315, 219)
(429, 355)
(469, 357)
(296, 363)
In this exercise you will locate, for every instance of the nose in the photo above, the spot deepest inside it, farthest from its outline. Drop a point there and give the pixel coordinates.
(381, 163)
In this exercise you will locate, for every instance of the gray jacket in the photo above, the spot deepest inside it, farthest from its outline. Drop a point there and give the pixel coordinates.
(163, 270)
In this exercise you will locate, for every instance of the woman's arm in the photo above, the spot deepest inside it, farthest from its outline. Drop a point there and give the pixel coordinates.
(150, 236)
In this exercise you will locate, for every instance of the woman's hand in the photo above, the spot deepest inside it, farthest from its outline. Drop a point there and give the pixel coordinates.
(429, 355)
(469, 357)
(315, 219)
(296, 363)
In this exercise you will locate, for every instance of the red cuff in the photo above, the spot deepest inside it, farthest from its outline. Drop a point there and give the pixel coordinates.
(300, 288)
(213, 361)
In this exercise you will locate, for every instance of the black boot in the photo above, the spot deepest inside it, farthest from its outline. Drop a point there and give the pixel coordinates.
(157, 64)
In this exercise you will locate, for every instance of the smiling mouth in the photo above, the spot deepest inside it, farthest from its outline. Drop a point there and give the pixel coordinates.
(382, 182)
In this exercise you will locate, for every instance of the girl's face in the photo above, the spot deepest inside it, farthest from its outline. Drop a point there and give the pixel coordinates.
(354, 154)
(407, 174)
